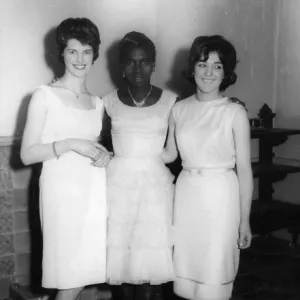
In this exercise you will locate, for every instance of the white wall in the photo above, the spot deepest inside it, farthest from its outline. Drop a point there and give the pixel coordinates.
(287, 90)
(24, 25)
(172, 24)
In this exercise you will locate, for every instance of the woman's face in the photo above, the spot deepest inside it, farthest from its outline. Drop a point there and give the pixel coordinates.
(138, 67)
(78, 58)
(209, 74)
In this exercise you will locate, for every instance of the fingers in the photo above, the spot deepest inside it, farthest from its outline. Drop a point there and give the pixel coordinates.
(99, 146)
(244, 240)
(102, 161)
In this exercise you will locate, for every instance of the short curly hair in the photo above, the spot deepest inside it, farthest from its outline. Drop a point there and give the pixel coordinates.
(202, 46)
(80, 29)
(136, 39)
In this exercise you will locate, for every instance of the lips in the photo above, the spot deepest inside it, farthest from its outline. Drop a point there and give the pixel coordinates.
(208, 80)
(79, 67)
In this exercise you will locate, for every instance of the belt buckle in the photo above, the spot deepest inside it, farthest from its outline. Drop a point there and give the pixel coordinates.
(195, 172)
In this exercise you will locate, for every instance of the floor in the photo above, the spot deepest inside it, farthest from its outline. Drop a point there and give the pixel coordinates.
(269, 270)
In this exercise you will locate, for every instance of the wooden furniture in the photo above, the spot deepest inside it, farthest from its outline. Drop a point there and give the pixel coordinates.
(268, 214)
(267, 171)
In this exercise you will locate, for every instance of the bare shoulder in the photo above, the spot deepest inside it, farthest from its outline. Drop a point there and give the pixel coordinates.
(39, 96)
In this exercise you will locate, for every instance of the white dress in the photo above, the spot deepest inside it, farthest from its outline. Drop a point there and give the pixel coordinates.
(140, 194)
(207, 207)
(72, 200)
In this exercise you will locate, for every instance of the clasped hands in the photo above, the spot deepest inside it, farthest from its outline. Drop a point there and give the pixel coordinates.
(103, 158)
(95, 151)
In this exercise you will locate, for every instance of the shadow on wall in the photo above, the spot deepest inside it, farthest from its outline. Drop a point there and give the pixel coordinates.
(57, 67)
(113, 65)
(114, 69)
(33, 197)
(178, 83)
(52, 54)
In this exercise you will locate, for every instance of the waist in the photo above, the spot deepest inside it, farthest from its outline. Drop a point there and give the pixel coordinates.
(137, 147)
(141, 157)
(205, 171)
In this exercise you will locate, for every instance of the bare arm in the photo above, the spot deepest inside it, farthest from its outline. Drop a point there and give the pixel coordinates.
(170, 152)
(242, 139)
(32, 149)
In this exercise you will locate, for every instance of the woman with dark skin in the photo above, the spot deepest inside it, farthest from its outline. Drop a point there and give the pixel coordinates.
(140, 189)
(62, 129)
(212, 200)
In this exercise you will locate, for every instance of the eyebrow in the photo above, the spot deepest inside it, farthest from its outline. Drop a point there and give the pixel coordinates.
(216, 62)
(74, 49)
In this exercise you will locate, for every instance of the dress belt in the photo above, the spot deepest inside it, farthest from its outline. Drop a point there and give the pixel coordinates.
(206, 171)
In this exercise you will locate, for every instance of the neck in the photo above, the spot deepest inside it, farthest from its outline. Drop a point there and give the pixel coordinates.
(200, 96)
(139, 93)
(76, 84)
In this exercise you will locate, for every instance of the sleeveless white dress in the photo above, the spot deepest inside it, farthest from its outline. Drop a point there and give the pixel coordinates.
(72, 200)
(207, 207)
(140, 193)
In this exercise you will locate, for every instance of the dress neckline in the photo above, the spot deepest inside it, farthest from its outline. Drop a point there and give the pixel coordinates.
(49, 88)
(142, 107)
(215, 101)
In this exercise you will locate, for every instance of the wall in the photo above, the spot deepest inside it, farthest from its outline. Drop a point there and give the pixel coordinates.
(15, 246)
(28, 59)
(287, 91)
(172, 24)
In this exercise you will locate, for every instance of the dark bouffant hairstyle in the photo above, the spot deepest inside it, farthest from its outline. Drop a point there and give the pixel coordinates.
(133, 40)
(200, 50)
(81, 29)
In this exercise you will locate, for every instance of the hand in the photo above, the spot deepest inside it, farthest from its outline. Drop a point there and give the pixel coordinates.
(245, 235)
(237, 101)
(103, 159)
(86, 148)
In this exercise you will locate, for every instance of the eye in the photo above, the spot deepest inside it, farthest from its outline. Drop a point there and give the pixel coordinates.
(88, 52)
(71, 51)
(201, 65)
(145, 62)
(128, 62)
(219, 67)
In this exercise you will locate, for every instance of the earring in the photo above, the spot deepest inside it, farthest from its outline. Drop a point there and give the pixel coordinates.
(123, 75)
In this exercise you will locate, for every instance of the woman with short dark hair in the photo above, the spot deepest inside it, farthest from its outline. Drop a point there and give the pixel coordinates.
(63, 125)
(212, 201)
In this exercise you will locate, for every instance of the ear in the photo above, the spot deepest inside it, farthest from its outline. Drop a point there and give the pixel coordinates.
(122, 72)
(153, 67)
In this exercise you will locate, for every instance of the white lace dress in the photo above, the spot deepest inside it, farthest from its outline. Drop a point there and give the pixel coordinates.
(140, 193)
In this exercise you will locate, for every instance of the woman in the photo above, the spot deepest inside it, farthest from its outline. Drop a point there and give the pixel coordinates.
(63, 125)
(140, 189)
(212, 201)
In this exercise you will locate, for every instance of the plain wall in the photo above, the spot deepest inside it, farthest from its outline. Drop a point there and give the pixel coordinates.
(287, 93)
(172, 24)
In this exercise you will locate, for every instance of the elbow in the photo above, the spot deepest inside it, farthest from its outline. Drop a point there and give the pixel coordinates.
(25, 158)
(173, 157)
(170, 157)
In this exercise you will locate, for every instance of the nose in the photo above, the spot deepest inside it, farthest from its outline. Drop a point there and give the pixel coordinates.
(208, 71)
(80, 57)
(137, 68)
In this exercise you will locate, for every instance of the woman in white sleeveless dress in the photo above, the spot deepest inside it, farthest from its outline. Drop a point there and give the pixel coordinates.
(212, 201)
(63, 125)
(140, 186)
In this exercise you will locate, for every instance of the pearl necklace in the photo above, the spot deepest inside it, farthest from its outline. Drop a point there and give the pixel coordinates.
(142, 102)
